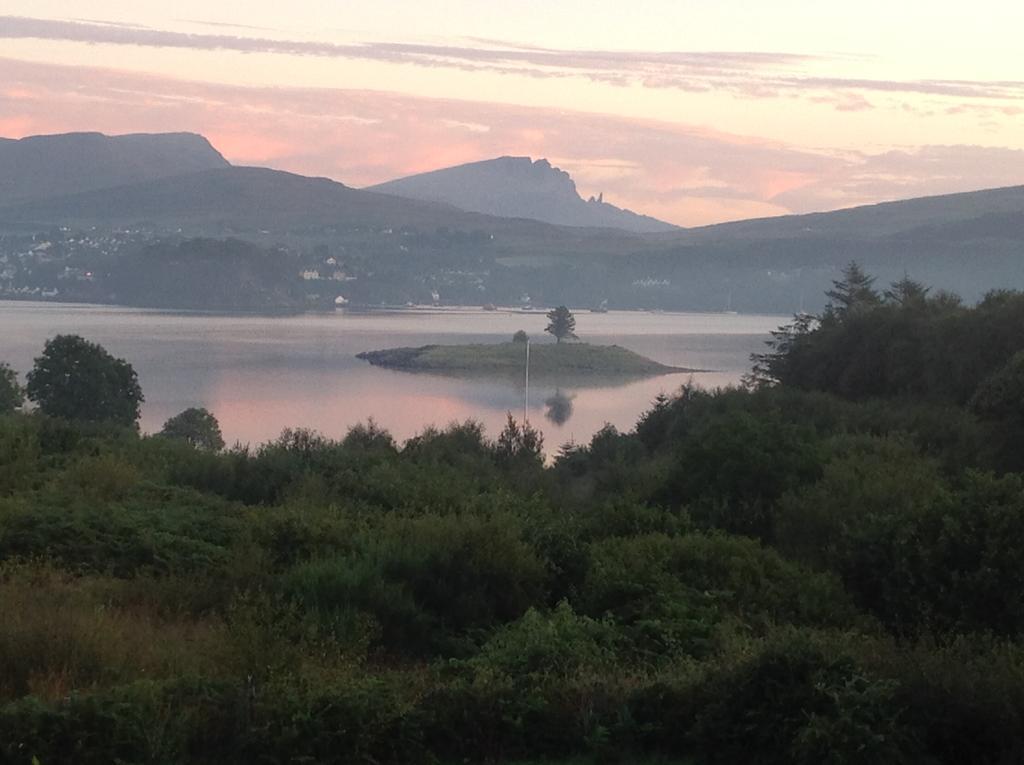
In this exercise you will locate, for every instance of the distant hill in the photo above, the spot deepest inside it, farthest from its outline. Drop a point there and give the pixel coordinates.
(873, 221)
(518, 187)
(55, 165)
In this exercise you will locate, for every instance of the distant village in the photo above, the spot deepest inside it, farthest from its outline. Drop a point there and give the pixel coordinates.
(66, 264)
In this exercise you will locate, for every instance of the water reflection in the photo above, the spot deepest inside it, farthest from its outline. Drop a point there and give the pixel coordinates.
(259, 375)
(559, 407)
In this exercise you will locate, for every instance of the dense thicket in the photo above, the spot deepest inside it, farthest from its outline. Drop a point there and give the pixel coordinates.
(905, 342)
(779, 574)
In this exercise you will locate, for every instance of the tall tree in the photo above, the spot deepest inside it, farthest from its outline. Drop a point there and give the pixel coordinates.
(11, 394)
(853, 293)
(78, 380)
(562, 323)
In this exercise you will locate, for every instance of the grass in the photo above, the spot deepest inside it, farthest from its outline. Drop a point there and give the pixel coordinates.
(62, 633)
(510, 358)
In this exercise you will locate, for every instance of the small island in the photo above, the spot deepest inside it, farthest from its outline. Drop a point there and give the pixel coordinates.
(509, 359)
(547, 361)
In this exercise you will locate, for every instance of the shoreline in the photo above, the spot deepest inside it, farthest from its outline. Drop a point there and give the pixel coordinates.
(369, 309)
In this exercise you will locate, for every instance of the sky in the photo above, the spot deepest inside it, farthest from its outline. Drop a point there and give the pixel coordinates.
(693, 111)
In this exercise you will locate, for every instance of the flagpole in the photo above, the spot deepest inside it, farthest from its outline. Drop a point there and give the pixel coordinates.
(526, 400)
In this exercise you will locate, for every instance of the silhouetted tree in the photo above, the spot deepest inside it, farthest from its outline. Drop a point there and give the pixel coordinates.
(853, 293)
(562, 323)
(907, 293)
(520, 337)
(783, 358)
(197, 427)
(78, 380)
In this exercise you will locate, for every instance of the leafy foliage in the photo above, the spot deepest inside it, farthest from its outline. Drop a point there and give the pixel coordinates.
(78, 380)
(196, 427)
(11, 394)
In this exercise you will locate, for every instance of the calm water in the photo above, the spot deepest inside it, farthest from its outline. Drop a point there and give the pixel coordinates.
(259, 375)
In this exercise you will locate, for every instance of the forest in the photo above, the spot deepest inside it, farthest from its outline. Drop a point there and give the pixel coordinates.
(824, 565)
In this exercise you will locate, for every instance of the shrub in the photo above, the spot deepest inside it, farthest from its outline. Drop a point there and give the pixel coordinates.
(731, 471)
(11, 394)
(560, 643)
(912, 551)
(671, 592)
(793, 705)
(196, 427)
(428, 581)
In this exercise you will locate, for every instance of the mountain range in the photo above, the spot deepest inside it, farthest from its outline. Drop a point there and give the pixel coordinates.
(494, 230)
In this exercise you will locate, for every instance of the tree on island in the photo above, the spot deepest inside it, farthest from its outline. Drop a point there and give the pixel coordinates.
(196, 427)
(563, 323)
(77, 380)
(11, 394)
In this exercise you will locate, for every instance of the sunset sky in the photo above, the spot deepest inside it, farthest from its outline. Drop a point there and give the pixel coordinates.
(689, 110)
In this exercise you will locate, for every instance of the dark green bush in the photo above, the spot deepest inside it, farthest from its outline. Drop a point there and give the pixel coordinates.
(430, 581)
(793, 705)
(670, 593)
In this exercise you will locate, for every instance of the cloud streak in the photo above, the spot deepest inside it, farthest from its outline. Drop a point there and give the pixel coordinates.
(743, 73)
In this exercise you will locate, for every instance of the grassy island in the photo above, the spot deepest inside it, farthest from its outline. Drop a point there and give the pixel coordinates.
(508, 358)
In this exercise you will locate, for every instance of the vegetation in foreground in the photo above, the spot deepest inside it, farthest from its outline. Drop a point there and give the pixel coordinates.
(819, 568)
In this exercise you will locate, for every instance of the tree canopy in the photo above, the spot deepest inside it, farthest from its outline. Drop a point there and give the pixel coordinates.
(75, 379)
(562, 324)
(196, 427)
